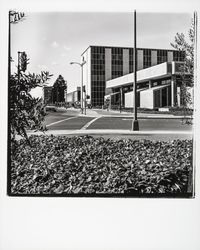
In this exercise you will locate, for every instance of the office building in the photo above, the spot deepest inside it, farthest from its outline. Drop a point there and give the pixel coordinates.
(105, 63)
(157, 86)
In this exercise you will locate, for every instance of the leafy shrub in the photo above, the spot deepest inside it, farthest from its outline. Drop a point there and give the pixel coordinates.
(87, 165)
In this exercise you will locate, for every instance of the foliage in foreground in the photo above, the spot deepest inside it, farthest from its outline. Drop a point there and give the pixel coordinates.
(87, 165)
(26, 111)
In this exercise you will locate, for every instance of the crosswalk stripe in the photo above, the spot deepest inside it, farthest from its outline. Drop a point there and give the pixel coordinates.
(89, 123)
(53, 123)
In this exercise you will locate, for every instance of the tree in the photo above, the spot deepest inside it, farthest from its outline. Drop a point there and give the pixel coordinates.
(59, 88)
(25, 111)
(182, 43)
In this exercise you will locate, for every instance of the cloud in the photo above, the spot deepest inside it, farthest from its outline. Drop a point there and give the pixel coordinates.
(54, 63)
(63, 54)
(42, 67)
(54, 45)
(66, 48)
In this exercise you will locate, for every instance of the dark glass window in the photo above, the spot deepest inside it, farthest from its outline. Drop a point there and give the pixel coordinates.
(146, 58)
(97, 75)
(117, 62)
(161, 56)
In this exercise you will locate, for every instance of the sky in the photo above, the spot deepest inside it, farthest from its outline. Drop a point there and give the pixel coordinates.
(53, 40)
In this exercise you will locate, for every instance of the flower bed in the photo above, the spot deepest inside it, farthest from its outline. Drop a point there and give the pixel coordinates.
(86, 165)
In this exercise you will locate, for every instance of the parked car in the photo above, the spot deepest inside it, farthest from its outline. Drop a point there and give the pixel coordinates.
(50, 108)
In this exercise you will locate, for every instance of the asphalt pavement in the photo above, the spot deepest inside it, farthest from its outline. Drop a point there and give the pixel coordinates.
(114, 125)
(69, 123)
(97, 120)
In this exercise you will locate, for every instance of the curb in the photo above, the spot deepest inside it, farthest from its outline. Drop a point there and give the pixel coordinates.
(125, 115)
(108, 131)
(139, 117)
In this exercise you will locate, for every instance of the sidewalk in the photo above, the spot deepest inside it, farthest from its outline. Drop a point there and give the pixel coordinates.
(121, 134)
(114, 113)
(107, 131)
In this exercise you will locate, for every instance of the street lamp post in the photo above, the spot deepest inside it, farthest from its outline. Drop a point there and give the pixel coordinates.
(13, 17)
(135, 124)
(81, 65)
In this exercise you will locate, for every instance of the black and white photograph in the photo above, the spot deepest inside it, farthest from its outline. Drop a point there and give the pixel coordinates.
(101, 104)
(99, 125)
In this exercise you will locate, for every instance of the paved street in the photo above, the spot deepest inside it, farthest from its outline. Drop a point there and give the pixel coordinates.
(144, 124)
(71, 120)
(69, 123)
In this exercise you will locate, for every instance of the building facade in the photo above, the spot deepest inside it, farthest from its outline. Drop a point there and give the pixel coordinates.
(157, 87)
(47, 94)
(74, 97)
(104, 63)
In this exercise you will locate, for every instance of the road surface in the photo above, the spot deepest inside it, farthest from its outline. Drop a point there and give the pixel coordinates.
(70, 121)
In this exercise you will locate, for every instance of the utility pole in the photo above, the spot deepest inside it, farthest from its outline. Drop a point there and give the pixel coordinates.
(81, 65)
(9, 108)
(84, 99)
(85, 104)
(18, 67)
(135, 123)
(81, 88)
(121, 99)
(13, 17)
(191, 181)
(195, 48)
(9, 54)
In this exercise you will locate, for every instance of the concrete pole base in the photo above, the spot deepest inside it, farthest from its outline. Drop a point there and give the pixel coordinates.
(135, 125)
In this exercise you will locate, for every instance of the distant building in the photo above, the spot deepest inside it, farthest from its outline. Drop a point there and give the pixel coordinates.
(73, 97)
(47, 94)
(106, 70)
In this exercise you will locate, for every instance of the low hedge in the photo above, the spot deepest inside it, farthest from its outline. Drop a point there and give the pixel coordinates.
(87, 165)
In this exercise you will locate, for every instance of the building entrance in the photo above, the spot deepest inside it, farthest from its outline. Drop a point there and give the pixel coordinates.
(162, 97)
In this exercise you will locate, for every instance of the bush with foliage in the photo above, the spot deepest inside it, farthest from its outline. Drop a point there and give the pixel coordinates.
(26, 111)
(88, 165)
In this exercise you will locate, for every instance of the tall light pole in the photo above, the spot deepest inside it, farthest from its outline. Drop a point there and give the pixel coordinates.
(135, 123)
(81, 65)
(13, 18)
